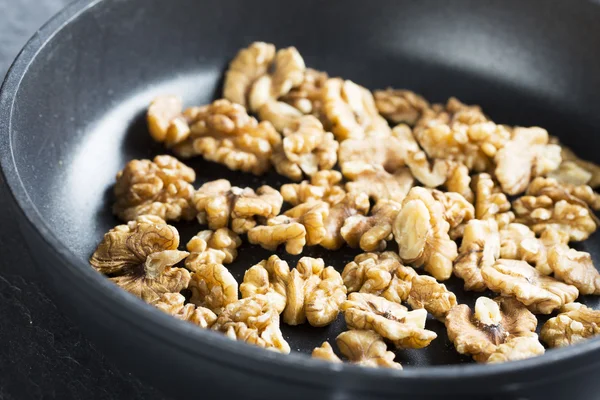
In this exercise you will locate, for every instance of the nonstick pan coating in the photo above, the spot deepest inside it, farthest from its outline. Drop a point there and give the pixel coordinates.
(72, 114)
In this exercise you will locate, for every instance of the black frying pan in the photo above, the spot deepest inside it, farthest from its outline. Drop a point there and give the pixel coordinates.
(72, 114)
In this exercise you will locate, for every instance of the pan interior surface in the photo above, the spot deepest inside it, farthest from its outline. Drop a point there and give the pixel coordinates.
(79, 115)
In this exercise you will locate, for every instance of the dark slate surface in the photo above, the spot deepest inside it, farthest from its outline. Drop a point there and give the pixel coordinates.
(42, 353)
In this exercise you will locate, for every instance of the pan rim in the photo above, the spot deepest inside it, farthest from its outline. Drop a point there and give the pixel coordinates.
(242, 355)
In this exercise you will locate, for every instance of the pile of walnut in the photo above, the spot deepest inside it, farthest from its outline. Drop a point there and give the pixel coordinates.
(437, 182)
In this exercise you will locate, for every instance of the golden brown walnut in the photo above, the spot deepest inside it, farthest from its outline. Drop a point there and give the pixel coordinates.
(164, 116)
(268, 277)
(173, 304)
(568, 156)
(524, 157)
(570, 173)
(213, 287)
(287, 72)
(547, 205)
(381, 274)
(219, 204)
(480, 247)
(281, 115)
(248, 65)
(307, 97)
(224, 133)
(400, 106)
(314, 293)
(376, 181)
(490, 202)
(575, 268)
(575, 323)
(541, 294)
(584, 193)
(299, 226)
(207, 247)
(161, 187)
(352, 204)
(434, 297)
(350, 110)
(457, 211)
(422, 234)
(253, 320)
(459, 181)
(306, 149)
(511, 237)
(406, 329)
(139, 257)
(494, 323)
(517, 348)
(371, 233)
(325, 352)
(324, 185)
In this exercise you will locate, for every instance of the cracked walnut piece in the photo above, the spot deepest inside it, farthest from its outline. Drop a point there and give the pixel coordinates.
(434, 297)
(548, 205)
(360, 347)
(591, 168)
(376, 181)
(303, 224)
(422, 234)
(381, 274)
(494, 323)
(219, 203)
(173, 304)
(524, 157)
(457, 210)
(490, 202)
(575, 323)
(139, 257)
(253, 320)
(400, 106)
(575, 268)
(406, 329)
(459, 181)
(314, 293)
(166, 122)
(480, 247)
(160, 187)
(207, 247)
(268, 277)
(541, 294)
(224, 133)
(322, 186)
(371, 233)
(213, 287)
(306, 149)
(307, 97)
(352, 204)
(350, 110)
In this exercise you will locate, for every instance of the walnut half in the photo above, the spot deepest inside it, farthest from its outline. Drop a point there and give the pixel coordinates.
(206, 247)
(574, 324)
(371, 233)
(173, 304)
(268, 277)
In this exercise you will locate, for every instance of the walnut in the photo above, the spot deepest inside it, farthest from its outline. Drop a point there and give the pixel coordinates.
(422, 234)
(457, 210)
(160, 187)
(322, 186)
(406, 329)
(207, 247)
(480, 247)
(376, 181)
(548, 205)
(361, 347)
(281, 115)
(490, 202)
(427, 293)
(165, 120)
(218, 203)
(213, 287)
(248, 65)
(287, 72)
(400, 106)
(306, 149)
(494, 323)
(574, 324)
(351, 111)
(571, 173)
(584, 193)
(371, 233)
(140, 257)
(525, 156)
(303, 224)
(519, 243)
(307, 97)
(517, 348)
(223, 132)
(314, 293)
(381, 274)
(459, 181)
(268, 277)
(352, 204)
(593, 169)
(253, 320)
(575, 268)
(511, 237)
(173, 304)
(541, 294)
